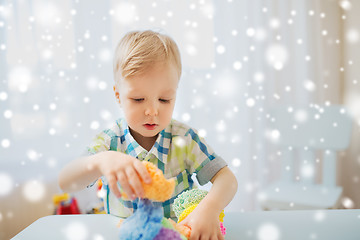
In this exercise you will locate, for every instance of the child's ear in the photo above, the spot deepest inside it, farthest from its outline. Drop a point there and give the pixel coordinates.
(117, 94)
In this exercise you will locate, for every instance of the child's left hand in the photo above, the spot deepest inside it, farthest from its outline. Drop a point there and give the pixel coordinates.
(204, 224)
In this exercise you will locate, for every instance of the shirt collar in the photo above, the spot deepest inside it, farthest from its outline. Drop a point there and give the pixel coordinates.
(160, 149)
(162, 144)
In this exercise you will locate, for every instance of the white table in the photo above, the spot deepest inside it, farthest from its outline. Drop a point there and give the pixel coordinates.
(271, 225)
(294, 225)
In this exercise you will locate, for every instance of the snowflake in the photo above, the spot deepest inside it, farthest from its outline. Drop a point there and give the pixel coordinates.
(220, 49)
(347, 202)
(8, 114)
(345, 4)
(236, 162)
(3, 96)
(202, 133)
(5, 143)
(20, 78)
(180, 142)
(277, 56)
(319, 216)
(125, 13)
(191, 50)
(47, 14)
(34, 191)
(274, 23)
(307, 171)
(6, 184)
(301, 116)
(94, 125)
(76, 231)
(250, 32)
(221, 126)
(186, 117)
(352, 36)
(268, 231)
(237, 65)
(260, 34)
(33, 155)
(105, 55)
(250, 102)
(309, 85)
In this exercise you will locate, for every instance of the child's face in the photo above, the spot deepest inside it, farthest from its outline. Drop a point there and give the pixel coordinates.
(148, 100)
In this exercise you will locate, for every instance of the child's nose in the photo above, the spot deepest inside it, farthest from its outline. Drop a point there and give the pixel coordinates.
(151, 110)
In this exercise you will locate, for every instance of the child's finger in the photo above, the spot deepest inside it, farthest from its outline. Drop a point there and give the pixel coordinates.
(142, 171)
(113, 185)
(194, 236)
(134, 181)
(221, 237)
(122, 179)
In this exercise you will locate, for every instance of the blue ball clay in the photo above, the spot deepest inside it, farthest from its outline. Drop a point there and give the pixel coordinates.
(144, 224)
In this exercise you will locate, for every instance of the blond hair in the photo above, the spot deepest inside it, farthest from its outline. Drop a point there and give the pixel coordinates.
(137, 51)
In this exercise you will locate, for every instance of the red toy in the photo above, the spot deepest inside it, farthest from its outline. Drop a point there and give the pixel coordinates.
(65, 204)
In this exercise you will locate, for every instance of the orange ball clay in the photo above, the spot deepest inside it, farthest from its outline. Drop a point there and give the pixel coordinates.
(160, 189)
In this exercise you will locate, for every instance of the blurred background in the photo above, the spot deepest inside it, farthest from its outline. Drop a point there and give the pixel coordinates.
(240, 59)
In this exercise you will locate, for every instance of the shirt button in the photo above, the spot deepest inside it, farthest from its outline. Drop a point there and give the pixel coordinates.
(142, 155)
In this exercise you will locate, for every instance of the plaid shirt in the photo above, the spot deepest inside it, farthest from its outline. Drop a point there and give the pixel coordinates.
(178, 151)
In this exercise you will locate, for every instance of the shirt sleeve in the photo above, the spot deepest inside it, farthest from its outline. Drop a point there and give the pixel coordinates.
(201, 158)
(100, 143)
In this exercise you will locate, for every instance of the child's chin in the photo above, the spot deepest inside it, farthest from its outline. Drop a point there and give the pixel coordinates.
(153, 134)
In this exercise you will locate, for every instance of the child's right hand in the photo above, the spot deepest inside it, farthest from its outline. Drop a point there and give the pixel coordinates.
(127, 170)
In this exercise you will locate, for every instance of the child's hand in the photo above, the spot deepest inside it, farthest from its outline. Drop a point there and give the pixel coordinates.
(204, 224)
(127, 170)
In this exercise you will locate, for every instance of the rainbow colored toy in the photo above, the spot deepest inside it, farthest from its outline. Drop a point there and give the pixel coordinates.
(148, 221)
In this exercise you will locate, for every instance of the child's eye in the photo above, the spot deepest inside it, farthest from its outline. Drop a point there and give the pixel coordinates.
(138, 99)
(164, 100)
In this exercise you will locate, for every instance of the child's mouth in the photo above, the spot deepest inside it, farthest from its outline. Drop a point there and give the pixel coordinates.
(150, 126)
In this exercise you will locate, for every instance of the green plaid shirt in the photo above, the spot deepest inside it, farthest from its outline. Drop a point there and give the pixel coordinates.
(178, 151)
